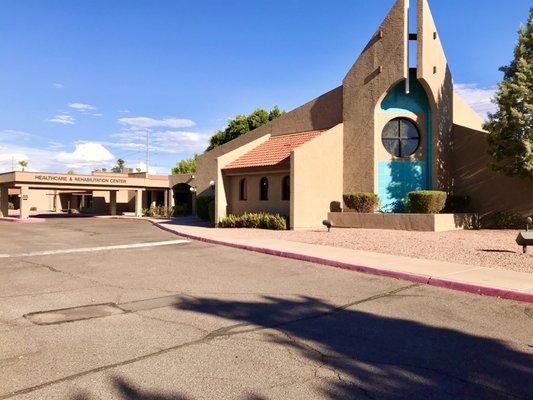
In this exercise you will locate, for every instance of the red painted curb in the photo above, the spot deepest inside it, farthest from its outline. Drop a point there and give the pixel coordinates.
(16, 220)
(406, 276)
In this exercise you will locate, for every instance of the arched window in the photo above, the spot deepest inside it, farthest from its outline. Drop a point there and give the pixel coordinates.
(263, 189)
(242, 189)
(400, 137)
(286, 188)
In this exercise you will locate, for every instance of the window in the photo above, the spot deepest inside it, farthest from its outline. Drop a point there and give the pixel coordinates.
(263, 189)
(286, 188)
(242, 189)
(400, 137)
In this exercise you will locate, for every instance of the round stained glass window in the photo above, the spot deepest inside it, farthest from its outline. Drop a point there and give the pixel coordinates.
(400, 137)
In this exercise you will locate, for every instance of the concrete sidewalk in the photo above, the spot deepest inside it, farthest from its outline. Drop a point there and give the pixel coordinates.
(480, 280)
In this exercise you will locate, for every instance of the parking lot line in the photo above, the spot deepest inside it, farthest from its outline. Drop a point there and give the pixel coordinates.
(99, 248)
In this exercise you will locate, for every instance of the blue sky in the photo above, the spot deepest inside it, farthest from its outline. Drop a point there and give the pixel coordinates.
(83, 82)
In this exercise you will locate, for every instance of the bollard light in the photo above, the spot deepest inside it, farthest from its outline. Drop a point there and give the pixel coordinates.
(525, 238)
(327, 223)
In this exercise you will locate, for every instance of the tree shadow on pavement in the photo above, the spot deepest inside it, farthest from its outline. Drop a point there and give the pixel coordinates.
(377, 357)
(128, 391)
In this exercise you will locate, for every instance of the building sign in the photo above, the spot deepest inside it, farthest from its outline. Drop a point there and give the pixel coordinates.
(79, 179)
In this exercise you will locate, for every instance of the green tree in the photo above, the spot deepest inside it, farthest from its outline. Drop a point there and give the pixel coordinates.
(242, 124)
(186, 166)
(23, 164)
(510, 129)
(119, 167)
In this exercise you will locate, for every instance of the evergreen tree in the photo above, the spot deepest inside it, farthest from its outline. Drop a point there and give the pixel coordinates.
(510, 129)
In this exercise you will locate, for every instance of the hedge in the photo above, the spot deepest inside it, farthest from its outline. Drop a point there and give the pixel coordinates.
(260, 220)
(361, 202)
(426, 201)
(202, 207)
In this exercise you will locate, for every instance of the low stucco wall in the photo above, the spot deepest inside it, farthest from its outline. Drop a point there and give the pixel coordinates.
(405, 222)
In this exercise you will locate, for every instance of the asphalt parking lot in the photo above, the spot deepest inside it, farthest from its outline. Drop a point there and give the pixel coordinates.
(118, 309)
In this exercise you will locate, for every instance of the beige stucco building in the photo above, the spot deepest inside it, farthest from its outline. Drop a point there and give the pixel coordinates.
(99, 193)
(389, 128)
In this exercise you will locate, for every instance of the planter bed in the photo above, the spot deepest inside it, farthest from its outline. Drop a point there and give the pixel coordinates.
(406, 222)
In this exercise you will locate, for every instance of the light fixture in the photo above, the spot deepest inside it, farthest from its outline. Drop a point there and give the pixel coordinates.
(212, 185)
(192, 189)
(327, 223)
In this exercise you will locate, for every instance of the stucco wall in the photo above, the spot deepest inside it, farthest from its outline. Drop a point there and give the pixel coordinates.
(274, 204)
(382, 64)
(490, 191)
(316, 178)
(434, 74)
(42, 200)
(321, 113)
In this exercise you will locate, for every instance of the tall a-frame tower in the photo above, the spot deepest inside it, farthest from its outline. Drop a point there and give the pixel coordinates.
(379, 87)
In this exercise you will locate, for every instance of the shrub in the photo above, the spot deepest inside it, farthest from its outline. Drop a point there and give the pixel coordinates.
(202, 207)
(158, 211)
(457, 204)
(505, 220)
(425, 201)
(361, 202)
(335, 206)
(10, 206)
(260, 220)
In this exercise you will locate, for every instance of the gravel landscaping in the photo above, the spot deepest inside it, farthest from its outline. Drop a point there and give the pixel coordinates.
(488, 248)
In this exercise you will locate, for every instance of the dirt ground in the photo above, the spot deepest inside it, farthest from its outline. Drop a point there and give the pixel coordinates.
(488, 248)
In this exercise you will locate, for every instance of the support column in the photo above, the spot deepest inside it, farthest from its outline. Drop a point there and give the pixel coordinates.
(4, 202)
(165, 198)
(138, 203)
(112, 202)
(171, 198)
(24, 203)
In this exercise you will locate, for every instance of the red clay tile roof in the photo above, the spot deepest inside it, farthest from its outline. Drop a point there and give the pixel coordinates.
(275, 150)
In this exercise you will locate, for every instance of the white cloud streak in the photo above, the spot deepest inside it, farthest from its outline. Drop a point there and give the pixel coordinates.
(147, 122)
(478, 98)
(63, 119)
(82, 107)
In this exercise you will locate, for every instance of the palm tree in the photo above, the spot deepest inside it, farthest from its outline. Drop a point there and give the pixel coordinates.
(23, 164)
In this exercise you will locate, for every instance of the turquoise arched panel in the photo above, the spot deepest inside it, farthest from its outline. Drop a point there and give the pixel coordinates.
(399, 177)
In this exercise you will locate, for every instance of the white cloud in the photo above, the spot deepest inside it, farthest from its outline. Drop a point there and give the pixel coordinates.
(87, 153)
(147, 122)
(58, 85)
(11, 135)
(63, 119)
(82, 107)
(477, 97)
(125, 111)
(170, 142)
(97, 114)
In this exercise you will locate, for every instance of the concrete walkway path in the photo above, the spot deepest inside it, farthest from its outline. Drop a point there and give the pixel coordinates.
(480, 280)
